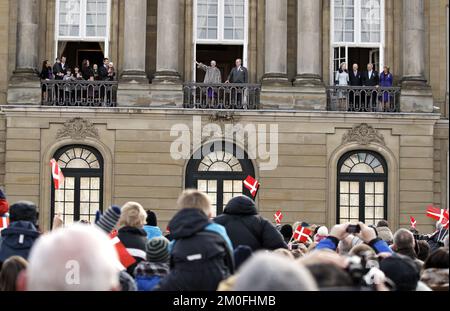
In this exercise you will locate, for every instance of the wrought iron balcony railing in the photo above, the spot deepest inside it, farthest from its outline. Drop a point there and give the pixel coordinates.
(363, 99)
(79, 93)
(221, 96)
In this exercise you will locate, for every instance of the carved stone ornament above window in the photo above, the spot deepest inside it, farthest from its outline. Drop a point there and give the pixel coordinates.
(78, 129)
(363, 134)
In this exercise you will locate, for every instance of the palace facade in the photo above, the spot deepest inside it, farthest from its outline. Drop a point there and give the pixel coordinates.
(362, 153)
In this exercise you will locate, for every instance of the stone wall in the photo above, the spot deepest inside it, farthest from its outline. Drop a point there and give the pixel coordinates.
(138, 165)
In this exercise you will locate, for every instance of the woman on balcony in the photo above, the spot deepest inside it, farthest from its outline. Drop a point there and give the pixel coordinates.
(46, 74)
(342, 79)
(213, 76)
(386, 80)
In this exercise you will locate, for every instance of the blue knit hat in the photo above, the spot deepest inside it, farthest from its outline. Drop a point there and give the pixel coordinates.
(108, 221)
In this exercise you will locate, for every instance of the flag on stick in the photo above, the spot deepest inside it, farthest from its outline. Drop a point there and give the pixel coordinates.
(4, 222)
(302, 235)
(252, 185)
(58, 177)
(278, 216)
(441, 215)
(413, 222)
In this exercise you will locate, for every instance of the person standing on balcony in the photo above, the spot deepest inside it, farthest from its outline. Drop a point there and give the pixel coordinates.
(46, 74)
(342, 79)
(355, 81)
(103, 70)
(386, 80)
(212, 76)
(371, 79)
(59, 68)
(86, 71)
(238, 74)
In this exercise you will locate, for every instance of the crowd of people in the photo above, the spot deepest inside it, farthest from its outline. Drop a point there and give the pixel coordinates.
(369, 78)
(71, 94)
(237, 251)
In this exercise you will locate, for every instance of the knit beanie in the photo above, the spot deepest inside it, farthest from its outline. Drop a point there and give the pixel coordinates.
(108, 221)
(157, 250)
(322, 233)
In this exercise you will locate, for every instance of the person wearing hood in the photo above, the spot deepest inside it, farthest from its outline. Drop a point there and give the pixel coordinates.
(19, 237)
(151, 227)
(131, 232)
(201, 254)
(245, 227)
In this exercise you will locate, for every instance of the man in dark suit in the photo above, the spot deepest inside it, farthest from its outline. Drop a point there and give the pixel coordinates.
(59, 68)
(103, 70)
(238, 74)
(371, 78)
(355, 80)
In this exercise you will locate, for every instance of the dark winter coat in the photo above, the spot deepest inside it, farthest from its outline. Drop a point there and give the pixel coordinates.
(201, 253)
(134, 239)
(245, 227)
(17, 240)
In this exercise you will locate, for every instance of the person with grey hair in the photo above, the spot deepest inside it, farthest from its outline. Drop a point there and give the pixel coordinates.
(404, 244)
(279, 274)
(213, 74)
(76, 258)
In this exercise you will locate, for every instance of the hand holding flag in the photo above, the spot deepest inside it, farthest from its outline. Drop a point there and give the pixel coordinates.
(302, 234)
(252, 185)
(58, 177)
(441, 215)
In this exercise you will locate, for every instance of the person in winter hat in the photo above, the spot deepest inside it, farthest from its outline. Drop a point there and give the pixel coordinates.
(246, 227)
(201, 252)
(149, 273)
(151, 226)
(402, 271)
(322, 233)
(19, 237)
(108, 221)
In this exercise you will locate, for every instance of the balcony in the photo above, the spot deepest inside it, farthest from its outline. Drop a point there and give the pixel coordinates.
(363, 99)
(79, 93)
(221, 96)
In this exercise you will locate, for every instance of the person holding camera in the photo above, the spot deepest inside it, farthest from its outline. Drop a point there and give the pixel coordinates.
(361, 230)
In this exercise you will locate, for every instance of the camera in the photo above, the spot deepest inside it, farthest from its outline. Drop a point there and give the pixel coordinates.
(353, 229)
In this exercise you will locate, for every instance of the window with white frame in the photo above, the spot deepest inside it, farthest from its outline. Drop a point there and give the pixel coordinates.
(221, 20)
(82, 19)
(357, 24)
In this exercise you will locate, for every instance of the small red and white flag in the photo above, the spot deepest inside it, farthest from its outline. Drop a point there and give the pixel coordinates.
(441, 215)
(4, 221)
(302, 234)
(57, 175)
(252, 185)
(124, 256)
(413, 222)
(278, 216)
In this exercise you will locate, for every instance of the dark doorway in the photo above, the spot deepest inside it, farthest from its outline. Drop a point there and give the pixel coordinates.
(363, 56)
(76, 52)
(224, 55)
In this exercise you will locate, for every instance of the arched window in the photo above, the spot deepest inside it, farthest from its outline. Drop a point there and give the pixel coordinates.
(362, 187)
(81, 194)
(219, 173)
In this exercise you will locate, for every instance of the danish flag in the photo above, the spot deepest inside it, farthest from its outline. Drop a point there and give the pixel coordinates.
(441, 215)
(58, 177)
(278, 217)
(124, 256)
(4, 222)
(252, 184)
(302, 234)
(413, 222)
